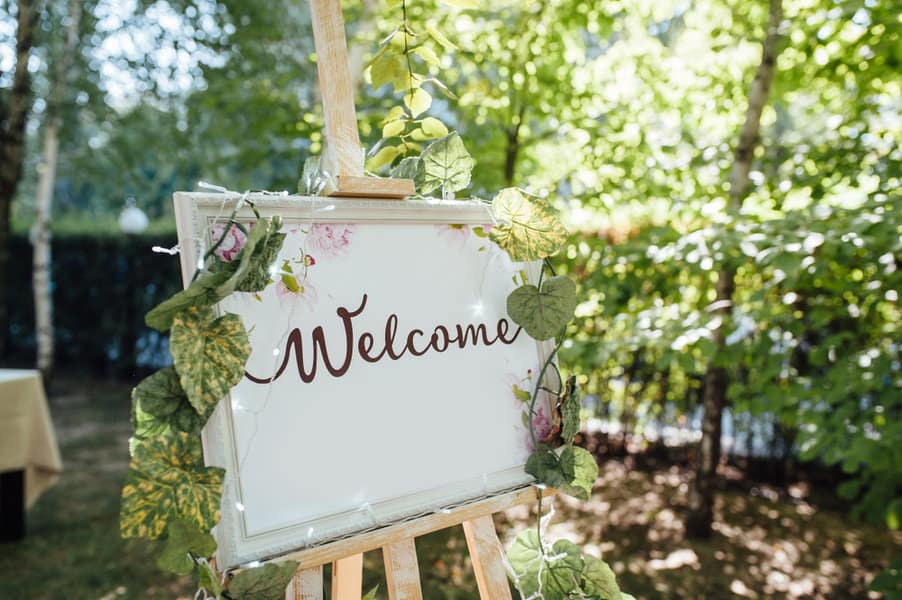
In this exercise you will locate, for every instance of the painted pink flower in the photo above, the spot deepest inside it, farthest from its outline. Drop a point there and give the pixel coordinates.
(455, 234)
(330, 239)
(306, 294)
(232, 243)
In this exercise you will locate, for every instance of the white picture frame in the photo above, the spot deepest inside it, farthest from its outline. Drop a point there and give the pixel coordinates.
(273, 438)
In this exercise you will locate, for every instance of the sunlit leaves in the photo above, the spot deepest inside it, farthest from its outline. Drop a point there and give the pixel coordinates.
(166, 481)
(527, 228)
(384, 156)
(209, 354)
(433, 128)
(417, 101)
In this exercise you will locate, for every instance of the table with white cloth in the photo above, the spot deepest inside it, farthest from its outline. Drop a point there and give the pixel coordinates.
(29, 457)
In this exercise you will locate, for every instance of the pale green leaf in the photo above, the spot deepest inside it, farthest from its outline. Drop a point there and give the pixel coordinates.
(543, 313)
(599, 579)
(209, 355)
(439, 37)
(428, 55)
(383, 157)
(167, 480)
(433, 128)
(417, 101)
(556, 572)
(263, 583)
(580, 472)
(392, 129)
(408, 168)
(446, 165)
(527, 229)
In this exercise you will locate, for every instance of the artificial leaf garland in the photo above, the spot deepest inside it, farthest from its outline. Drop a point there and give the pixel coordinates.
(526, 228)
(209, 354)
(543, 312)
(167, 481)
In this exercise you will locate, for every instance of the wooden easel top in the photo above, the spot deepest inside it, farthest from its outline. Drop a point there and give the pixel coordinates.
(344, 155)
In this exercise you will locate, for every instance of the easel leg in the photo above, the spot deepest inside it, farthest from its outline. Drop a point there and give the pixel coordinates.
(402, 575)
(485, 552)
(307, 584)
(347, 578)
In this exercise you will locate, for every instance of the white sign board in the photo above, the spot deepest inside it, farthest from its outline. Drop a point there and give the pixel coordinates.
(381, 382)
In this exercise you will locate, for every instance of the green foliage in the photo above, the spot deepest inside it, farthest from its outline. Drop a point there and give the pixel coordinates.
(527, 228)
(573, 471)
(543, 313)
(183, 539)
(167, 481)
(889, 581)
(162, 403)
(445, 165)
(209, 355)
(263, 583)
(558, 571)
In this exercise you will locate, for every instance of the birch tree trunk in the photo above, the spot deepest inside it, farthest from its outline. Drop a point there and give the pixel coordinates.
(701, 493)
(13, 118)
(43, 297)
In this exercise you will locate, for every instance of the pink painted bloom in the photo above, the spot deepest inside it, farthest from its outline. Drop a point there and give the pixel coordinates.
(455, 234)
(306, 294)
(232, 243)
(330, 239)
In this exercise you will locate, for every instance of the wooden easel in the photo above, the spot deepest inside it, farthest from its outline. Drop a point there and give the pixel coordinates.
(345, 159)
(343, 156)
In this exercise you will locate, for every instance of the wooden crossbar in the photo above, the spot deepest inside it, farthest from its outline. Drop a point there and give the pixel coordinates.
(397, 543)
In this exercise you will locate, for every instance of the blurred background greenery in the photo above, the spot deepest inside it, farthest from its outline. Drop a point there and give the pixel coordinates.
(624, 113)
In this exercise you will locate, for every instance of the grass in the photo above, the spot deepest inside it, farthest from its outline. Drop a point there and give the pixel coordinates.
(767, 544)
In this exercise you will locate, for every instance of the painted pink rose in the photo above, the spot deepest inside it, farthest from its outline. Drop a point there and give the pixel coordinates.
(455, 234)
(305, 295)
(232, 243)
(330, 239)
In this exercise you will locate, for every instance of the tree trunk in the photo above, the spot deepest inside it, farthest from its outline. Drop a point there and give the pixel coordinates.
(701, 494)
(43, 298)
(13, 118)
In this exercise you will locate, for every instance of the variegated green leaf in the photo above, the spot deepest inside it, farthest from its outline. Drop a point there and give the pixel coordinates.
(161, 396)
(209, 355)
(263, 583)
(570, 410)
(528, 229)
(257, 272)
(166, 481)
(203, 291)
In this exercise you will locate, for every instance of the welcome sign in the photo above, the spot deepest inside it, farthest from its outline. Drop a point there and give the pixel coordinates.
(386, 377)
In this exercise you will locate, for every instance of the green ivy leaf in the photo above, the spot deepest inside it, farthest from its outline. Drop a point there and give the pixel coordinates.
(263, 583)
(527, 229)
(408, 168)
(446, 165)
(183, 537)
(167, 480)
(257, 270)
(209, 355)
(555, 573)
(203, 291)
(161, 396)
(543, 313)
(545, 466)
(243, 274)
(580, 472)
(599, 579)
